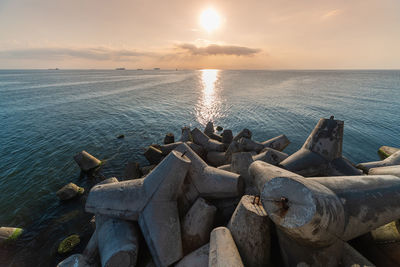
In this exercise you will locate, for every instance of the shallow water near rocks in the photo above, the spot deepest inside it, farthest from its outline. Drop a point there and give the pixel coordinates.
(48, 116)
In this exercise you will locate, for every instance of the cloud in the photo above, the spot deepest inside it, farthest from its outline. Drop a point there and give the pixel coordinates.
(331, 13)
(99, 53)
(214, 49)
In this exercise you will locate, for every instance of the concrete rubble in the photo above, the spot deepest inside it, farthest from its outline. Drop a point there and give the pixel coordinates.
(229, 200)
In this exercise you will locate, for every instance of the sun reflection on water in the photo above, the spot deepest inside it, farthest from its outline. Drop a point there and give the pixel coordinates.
(208, 107)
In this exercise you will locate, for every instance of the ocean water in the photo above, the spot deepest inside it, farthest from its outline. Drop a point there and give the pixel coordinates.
(48, 116)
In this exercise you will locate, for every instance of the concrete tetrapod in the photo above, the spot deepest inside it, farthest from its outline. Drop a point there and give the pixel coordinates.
(75, 260)
(86, 161)
(352, 258)
(250, 228)
(206, 142)
(198, 258)
(240, 165)
(152, 202)
(386, 151)
(390, 170)
(223, 250)
(278, 143)
(321, 154)
(246, 133)
(197, 225)
(206, 181)
(186, 135)
(393, 159)
(322, 212)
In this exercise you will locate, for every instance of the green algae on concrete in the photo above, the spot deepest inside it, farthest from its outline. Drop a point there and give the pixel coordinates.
(386, 151)
(9, 234)
(68, 244)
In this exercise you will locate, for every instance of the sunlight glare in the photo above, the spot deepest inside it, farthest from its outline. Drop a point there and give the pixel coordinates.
(210, 20)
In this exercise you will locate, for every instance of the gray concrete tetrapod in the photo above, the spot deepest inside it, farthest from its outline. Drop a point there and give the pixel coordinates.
(393, 159)
(250, 228)
(223, 250)
(169, 138)
(278, 143)
(186, 135)
(86, 161)
(322, 146)
(75, 260)
(271, 156)
(206, 142)
(352, 258)
(198, 258)
(216, 159)
(227, 136)
(153, 155)
(209, 128)
(246, 133)
(240, 165)
(117, 242)
(246, 144)
(389, 170)
(197, 225)
(152, 202)
(206, 181)
(322, 211)
(386, 151)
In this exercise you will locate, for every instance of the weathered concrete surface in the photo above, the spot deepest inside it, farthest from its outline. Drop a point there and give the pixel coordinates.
(304, 209)
(166, 149)
(186, 135)
(246, 145)
(151, 201)
(262, 172)
(108, 181)
(198, 258)
(153, 155)
(86, 161)
(75, 260)
(271, 156)
(386, 151)
(117, 242)
(169, 138)
(342, 167)
(250, 229)
(132, 171)
(278, 143)
(246, 133)
(389, 170)
(216, 158)
(240, 165)
(226, 167)
(197, 225)
(209, 128)
(206, 142)
(227, 136)
(147, 169)
(322, 146)
(225, 209)
(393, 159)
(70, 191)
(206, 181)
(352, 258)
(223, 250)
(9, 234)
(295, 253)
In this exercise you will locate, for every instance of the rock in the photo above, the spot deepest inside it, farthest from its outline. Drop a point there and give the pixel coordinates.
(69, 191)
(219, 128)
(9, 234)
(198, 258)
(153, 155)
(387, 151)
(86, 161)
(121, 136)
(197, 225)
(250, 229)
(223, 250)
(132, 171)
(169, 138)
(68, 244)
(227, 136)
(246, 133)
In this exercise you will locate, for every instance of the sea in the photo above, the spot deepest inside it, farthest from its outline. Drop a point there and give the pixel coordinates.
(47, 116)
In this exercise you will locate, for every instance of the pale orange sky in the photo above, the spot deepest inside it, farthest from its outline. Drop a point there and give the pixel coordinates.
(279, 34)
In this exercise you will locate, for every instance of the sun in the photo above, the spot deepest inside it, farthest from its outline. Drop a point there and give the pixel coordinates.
(210, 20)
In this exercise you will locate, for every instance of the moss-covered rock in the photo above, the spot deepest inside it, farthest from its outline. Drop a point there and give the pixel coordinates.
(9, 234)
(68, 244)
(69, 191)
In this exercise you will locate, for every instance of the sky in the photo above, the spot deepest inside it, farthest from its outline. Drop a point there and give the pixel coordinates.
(252, 34)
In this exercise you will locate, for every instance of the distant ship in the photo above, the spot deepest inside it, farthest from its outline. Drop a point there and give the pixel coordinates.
(139, 69)
(156, 69)
(54, 69)
(120, 68)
